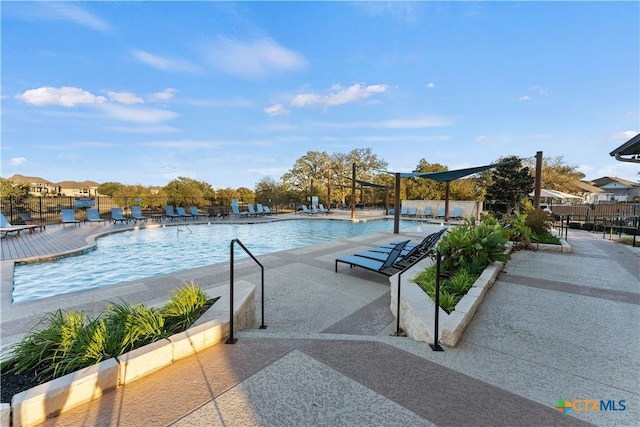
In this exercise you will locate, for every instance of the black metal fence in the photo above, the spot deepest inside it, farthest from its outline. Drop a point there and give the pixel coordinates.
(48, 208)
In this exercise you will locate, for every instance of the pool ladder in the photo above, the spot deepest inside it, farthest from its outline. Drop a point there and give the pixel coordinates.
(231, 339)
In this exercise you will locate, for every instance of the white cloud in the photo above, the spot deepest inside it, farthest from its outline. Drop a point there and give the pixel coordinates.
(524, 98)
(164, 96)
(419, 123)
(70, 12)
(337, 96)
(164, 64)
(16, 161)
(431, 85)
(64, 96)
(124, 97)
(138, 114)
(276, 110)
(252, 59)
(540, 90)
(624, 136)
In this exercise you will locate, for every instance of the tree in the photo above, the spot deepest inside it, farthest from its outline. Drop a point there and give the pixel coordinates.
(268, 190)
(557, 175)
(423, 188)
(246, 195)
(509, 183)
(110, 188)
(225, 195)
(185, 191)
(18, 192)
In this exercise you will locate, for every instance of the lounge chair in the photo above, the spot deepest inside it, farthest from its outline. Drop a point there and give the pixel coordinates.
(413, 212)
(93, 215)
(116, 216)
(259, 209)
(305, 210)
(403, 211)
(440, 213)
(381, 267)
(170, 213)
(68, 217)
(196, 213)
(266, 210)
(314, 210)
(457, 213)
(136, 214)
(323, 210)
(6, 227)
(410, 250)
(427, 212)
(236, 209)
(252, 210)
(182, 213)
(29, 220)
(392, 211)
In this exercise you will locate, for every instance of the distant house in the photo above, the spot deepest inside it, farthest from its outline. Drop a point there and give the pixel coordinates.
(37, 186)
(613, 190)
(79, 189)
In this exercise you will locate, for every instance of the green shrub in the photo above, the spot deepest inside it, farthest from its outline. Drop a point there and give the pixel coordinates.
(183, 307)
(460, 283)
(62, 343)
(538, 221)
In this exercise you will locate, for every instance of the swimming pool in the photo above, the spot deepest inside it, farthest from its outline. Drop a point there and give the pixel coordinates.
(131, 255)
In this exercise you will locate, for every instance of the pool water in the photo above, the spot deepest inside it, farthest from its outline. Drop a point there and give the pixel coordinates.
(135, 254)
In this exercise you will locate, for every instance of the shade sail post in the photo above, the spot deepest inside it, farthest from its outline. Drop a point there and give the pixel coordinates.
(446, 201)
(396, 206)
(353, 191)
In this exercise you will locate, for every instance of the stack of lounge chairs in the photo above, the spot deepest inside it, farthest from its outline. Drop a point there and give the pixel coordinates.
(394, 257)
(6, 228)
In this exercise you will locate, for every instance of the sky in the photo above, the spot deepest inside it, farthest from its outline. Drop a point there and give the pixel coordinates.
(232, 93)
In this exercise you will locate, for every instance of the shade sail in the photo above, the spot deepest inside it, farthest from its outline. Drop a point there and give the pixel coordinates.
(556, 194)
(448, 176)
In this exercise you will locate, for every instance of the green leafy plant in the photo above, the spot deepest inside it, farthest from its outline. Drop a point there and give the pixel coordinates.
(63, 342)
(182, 309)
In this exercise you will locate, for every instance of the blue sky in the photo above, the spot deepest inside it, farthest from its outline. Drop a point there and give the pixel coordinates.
(228, 93)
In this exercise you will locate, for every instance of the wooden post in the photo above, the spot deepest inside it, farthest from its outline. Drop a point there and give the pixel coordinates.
(538, 183)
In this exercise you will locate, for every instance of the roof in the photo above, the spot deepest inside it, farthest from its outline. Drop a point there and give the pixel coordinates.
(21, 179)
(629, 148)
(76, 184)
(605, 180)
(588, 187)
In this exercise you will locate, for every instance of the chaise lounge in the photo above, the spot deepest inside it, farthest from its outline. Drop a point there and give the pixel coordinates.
(68, 216)
(382, 267)
(6, 227)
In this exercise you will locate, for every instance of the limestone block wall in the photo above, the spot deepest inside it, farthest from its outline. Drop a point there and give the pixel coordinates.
(469, 208)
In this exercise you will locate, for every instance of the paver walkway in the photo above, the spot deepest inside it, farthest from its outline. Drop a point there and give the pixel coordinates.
(553, 326)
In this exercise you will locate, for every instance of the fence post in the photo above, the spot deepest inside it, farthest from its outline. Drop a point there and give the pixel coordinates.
(436, 346)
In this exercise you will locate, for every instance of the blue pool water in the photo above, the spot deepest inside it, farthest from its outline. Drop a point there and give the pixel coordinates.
(135, 254)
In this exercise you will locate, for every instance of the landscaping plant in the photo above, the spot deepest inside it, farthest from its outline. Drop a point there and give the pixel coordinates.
(63, 342)
(466, 251)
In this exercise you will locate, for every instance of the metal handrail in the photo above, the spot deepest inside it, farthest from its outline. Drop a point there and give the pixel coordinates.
(232, 340)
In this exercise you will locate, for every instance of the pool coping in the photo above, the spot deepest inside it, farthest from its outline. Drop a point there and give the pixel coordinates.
(49, 399)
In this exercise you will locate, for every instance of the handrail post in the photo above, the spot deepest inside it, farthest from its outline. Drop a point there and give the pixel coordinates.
(231, 339)
(436, 346)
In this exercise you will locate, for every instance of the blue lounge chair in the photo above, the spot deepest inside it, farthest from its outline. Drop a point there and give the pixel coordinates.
(403, 211)
(182, 213)
(392, 211)
(413, 212)
(314, 210)
(457, 213)
(259, 209)
(236, 209)
(305, 210)
(410, 250)
(136, 214)
(381, 267)
(427, 212)
(116, 216)
(196, 213)
(170, 213)
(93, 215)
(266, 210)
(6, 227)
(252, 210)
(68, 217)
(440, 213)
(323, 210)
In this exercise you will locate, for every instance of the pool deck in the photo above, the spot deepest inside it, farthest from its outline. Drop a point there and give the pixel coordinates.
(554, 325)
